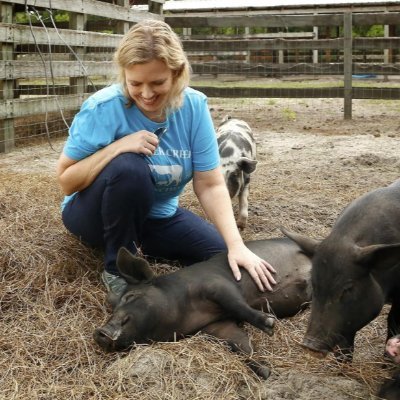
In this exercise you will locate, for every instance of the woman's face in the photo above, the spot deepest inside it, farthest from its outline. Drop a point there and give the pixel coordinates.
(148, 85)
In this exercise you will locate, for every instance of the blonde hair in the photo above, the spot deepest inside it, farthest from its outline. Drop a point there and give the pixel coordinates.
(154, 40)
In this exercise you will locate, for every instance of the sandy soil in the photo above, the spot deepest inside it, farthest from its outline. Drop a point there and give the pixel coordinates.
(312, 163)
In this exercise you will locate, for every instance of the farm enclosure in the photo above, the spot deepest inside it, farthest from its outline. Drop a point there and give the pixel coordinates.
(311, 164)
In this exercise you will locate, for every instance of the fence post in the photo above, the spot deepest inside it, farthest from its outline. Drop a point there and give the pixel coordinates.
(78, 22)
(315, 52)
(122, 26)
(7, 137)
(156, 6)
(348, 63)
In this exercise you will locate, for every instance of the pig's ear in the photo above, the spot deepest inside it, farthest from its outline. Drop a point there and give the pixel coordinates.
(133, 269)
(246, 164)
(306, 244)
(378, 256)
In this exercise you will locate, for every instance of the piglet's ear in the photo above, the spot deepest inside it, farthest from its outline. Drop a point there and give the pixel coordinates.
(247, 165)
(133, 269)
(308, 245)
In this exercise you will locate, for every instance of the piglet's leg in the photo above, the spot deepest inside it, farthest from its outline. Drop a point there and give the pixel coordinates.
(243, 204)
(238, 340)
(229, 298)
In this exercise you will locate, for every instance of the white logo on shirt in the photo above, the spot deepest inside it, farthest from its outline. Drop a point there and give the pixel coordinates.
(166, 175)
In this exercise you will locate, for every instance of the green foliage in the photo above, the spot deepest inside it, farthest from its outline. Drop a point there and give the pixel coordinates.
(21, 18)
(58, 16)
(61, 16)
(368, 31)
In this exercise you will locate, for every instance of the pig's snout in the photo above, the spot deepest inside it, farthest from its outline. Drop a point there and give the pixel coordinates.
(393, 349)
(106, 337)
(315, 347)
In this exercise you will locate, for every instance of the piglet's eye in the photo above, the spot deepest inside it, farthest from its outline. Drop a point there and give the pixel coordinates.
(127, 298)
(347, 290)
(125, 320)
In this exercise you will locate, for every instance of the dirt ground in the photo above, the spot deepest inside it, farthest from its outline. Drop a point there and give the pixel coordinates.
(312, 163)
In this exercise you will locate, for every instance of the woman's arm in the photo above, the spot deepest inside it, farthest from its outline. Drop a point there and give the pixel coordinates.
(74, 176)
(210, 188)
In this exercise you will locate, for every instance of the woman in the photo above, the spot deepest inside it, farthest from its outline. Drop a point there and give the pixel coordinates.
(131, 150)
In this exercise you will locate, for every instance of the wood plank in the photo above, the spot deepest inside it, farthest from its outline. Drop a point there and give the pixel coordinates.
(57, 89)
(273, 21)
(91, 7)
(378, 69)
(282, 35)
(73, 103)
(286, 44)
(215, 68)
(333, 92)
(257, 44)
(267, 20)
(21, 34)
(289, 9)
(38, 105)
(379, 43)
(385, 93)
(252, 92)
(34, 69)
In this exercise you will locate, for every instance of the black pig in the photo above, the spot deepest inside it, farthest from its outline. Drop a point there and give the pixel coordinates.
(355, 271)
(205, 297)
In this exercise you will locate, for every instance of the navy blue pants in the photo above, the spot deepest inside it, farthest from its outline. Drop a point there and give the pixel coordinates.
(112, 212)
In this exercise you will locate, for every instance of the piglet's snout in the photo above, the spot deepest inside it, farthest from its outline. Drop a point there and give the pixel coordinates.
(106, 336)
(393, 348)
(109, 333)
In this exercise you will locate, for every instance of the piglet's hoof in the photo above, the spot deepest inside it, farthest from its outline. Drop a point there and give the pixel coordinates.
(266, 324)
(261, 370)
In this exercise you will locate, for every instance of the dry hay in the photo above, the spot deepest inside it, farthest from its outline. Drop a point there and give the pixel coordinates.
(51, 301)
(51, 298)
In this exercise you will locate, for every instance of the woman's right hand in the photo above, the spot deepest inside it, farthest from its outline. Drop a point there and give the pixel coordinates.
(141, 142)
(74, 176)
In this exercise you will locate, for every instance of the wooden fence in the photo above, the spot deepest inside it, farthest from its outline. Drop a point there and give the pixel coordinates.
(346, 46)
(45, 69)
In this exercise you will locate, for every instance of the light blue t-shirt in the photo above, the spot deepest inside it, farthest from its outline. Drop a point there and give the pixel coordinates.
(189, 143)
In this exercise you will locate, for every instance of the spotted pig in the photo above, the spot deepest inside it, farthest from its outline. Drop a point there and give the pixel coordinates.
(237, 149)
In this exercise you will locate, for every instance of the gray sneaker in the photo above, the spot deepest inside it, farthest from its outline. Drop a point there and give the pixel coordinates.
(114, 283)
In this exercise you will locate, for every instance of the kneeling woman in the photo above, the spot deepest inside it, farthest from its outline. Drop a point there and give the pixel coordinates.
(131, 150)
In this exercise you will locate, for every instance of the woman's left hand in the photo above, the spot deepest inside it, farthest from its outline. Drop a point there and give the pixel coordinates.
(260, 270)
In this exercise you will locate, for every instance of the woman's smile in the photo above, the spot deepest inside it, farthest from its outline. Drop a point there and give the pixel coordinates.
(149, 85)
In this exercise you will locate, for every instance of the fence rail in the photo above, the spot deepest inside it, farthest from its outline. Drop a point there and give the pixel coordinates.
(119, 11)
(261, 19)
